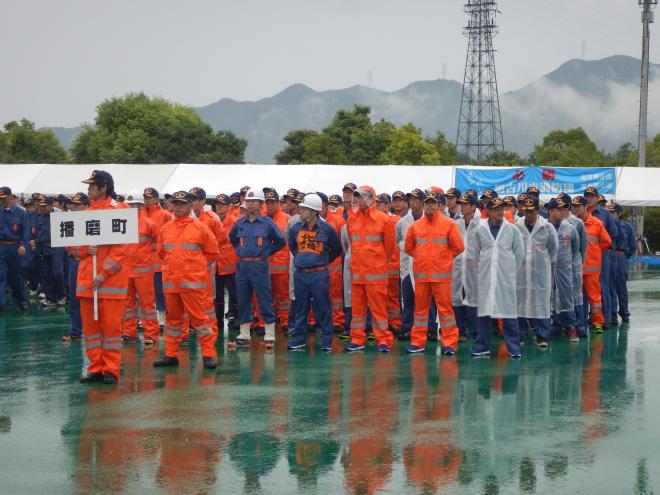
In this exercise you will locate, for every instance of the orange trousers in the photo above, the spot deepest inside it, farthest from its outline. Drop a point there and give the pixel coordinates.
(102, 337)
(374, 296)
(591, 287)
(142, 287)
(337, 296)
(393, 304)
(209, 309)
(441, 292)
(279, 286)
(194, 304)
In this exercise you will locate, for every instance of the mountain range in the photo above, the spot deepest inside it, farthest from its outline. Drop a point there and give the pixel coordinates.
(602, 96)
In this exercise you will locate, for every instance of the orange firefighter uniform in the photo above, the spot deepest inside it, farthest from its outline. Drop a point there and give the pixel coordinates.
(279, 274)
(393, 286)
(336, 280)
(372, 238)
(141, 262)
(103, 336)
(433, 243)
(187, 247)
(598, 240)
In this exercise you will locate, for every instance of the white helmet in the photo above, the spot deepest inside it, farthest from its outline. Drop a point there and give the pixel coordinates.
(313, 202)
(134, 197)
(255, 194)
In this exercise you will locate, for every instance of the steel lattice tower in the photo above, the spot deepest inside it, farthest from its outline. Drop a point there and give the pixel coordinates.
(480, 124)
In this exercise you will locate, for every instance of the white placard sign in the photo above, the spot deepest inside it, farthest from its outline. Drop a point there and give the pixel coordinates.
(94, 227)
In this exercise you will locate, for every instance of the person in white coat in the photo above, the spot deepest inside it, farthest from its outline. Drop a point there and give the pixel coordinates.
(568, 252)
(535, 273)
(464, 282)
(495, 251)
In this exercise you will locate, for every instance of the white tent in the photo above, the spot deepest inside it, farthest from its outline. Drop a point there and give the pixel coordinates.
(635, 186)
(18, 177)
(66, 179)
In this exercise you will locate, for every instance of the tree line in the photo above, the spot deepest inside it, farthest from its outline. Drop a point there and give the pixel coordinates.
(138, 129)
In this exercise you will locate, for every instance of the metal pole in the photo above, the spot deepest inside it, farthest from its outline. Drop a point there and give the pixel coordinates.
(647, 19)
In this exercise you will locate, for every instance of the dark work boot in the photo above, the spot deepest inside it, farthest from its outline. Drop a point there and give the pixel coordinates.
(92, 377)
(109, 378)
(166, 361)
(209, 363)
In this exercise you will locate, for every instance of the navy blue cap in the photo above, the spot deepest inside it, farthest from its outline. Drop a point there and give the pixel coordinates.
(323, 196)
(335, 199)
(452, 192)
(4, 192)
(198, 193)
(384, 198)
(80, 199)
(235, 198)
(554, 204)
(564, 197)
(532, 190)
(468, 199)
(271, 193)
(591, 190)
(182, 197)
(494, 203)
(489, 194)
(150, 192)
(100, 178)
(509, 201)
(416, 193)
(579, 201)
(530, 203)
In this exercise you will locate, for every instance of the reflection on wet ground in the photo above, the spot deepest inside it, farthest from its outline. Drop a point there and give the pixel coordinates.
(579, 418)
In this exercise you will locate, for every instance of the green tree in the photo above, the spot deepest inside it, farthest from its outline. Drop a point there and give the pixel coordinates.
(504, 158)
(408, 147)
(21, 142)
(567, 148)
(652, 153)
(139, 129)
(324, 149)
(294, 151)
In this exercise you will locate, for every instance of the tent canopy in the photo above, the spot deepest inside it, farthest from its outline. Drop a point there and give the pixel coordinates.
(635, 186)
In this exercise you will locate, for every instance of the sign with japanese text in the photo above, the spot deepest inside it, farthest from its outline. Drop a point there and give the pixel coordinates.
(550, 180)
(94, 227)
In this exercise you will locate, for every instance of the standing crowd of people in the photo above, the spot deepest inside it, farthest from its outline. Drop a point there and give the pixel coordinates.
(424, 265)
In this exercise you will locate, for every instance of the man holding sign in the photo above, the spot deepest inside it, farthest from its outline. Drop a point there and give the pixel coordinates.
(102, 335)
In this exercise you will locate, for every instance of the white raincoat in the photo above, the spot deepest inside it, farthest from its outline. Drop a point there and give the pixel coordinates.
(577, 262)
(495, 261)
(568, 250)
(535, 272)
(464, 281)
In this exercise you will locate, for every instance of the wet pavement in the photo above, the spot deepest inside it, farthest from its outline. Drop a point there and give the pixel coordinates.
(578, 418)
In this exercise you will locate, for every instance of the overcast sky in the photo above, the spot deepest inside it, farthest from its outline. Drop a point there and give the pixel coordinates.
(61, 58)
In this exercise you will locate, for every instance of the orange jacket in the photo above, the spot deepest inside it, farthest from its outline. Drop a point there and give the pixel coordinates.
(337, 222)
(186, 247)
(508, 215)
(433, 244)
(226, 263)
(141, 258)
(395, 261)
(279, 262)
(159, 216)
(109, 261)
(211, 220)
(372, 238)
(598, 240)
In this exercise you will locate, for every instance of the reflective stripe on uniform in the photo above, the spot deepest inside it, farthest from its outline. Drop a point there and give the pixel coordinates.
(380, 324)
(111, 265)
(192, 247)
(172, 331)
(441, 275)
(228, 268)
(374, 238)
(192, 285)
(168, 285)
(420, 275)
(111, 290)
(375, 277)
(592, 239)
(421, 241)
(439, 240)
(145, 238)
(355, 238)
(146, 269)
(334, 268)
(168, 247)
(279, 268)
(81, 288)
(591, 268)
(112, 343)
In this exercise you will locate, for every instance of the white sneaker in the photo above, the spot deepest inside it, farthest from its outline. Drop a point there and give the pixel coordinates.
(42, 296)
(62, 301)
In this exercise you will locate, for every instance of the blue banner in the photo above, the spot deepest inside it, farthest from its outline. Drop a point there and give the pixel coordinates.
(549, 180)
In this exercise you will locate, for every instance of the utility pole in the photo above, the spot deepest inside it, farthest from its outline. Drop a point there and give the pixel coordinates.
(647, 19)
(480, 124)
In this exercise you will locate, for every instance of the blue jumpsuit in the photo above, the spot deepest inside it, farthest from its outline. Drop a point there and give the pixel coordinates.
(254, 242)
(624, 250)
(609, 260)
(30, 260)
(313, 249)
(51, 262)
(14, 232)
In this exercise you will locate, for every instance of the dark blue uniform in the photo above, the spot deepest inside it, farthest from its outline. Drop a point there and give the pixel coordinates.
(625, 249)
(14, 232)
(31, 263)
(254, 242)
(313, 249)
(609, 262)
(51, 262)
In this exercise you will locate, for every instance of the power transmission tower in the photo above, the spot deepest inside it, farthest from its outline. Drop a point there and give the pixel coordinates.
(479, 123)
(647, 19)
